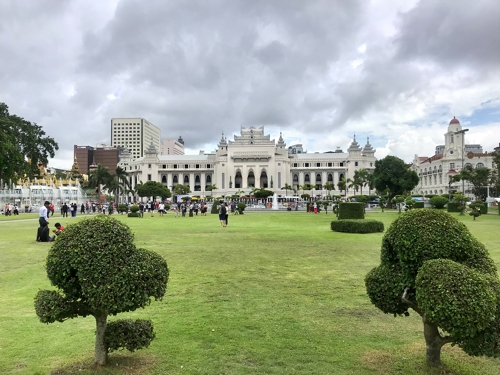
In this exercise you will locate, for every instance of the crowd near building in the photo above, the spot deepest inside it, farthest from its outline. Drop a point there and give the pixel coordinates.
(436, 171)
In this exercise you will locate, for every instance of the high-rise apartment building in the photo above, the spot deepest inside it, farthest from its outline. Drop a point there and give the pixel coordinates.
(102, 154)
(172, 147)
(136, 134)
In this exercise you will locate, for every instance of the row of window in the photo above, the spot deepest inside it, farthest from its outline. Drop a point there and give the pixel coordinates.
(318, 165)
(452, 166)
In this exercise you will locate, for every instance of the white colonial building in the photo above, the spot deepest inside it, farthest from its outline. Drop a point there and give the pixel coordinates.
(435, 172)
(252, 159)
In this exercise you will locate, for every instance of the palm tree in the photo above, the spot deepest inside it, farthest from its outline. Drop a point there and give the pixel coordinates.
(211, 188)
(287, 187)
(118, 183)
(361, 178)
(342, 185)
(305, 187)
(352, 184)
(99, 177)
(329, 186)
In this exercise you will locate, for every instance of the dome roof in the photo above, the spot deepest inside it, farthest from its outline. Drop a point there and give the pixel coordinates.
(454, 121)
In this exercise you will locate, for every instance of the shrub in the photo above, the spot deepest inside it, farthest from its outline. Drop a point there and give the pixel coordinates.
(357, 226)
(305, 197)
(351, 210)
(128, 334)
(214, 207)
(454, 207)
(98, 270)
(167, 207)
(122, 207)
(438, 201)
(241, 207)
(134, 208)
(432, 264)
(418, 205)
(133, 214)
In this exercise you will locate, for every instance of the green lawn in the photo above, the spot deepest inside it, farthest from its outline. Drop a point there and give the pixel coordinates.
(273, 293)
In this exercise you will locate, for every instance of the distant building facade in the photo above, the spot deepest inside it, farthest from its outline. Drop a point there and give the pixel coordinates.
(105, 155)
(172, 147)
(435, 172)
(251, 160)
(136, 134)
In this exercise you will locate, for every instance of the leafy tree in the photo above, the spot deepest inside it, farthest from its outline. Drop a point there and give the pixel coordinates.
(98, 178)
(241, 207)
(478, 177)
(262, 193)
(460, 200)
(475, 209)
(438, 201)
(305, 187)
(393, 174)
(98, 271)
(382, 203)
(398, 201)
(432, 264)
(23, 146)
(180, 189)
(409, 203)
(153, 189)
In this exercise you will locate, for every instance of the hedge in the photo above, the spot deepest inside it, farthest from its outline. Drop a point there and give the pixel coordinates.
(418, 205)
(351, 210)
(453, 207)
(357, 226)
(134, 214)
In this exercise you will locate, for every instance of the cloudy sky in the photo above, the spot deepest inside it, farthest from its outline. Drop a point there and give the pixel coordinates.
(317, 71)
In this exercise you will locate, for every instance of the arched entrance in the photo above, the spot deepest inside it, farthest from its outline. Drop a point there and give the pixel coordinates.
(251, 179)
(238, 180)
(197, 184)
(263, 179)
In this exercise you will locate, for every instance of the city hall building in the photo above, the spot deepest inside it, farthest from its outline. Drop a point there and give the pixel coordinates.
(251, 160)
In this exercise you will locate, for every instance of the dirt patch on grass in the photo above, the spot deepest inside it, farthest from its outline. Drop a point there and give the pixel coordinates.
(117, 364)
(378, 361)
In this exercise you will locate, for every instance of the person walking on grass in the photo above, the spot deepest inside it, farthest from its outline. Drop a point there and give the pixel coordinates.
(222, 215)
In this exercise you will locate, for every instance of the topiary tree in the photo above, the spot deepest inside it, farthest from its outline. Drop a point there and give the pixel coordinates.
(475, 208)
(433, 265)
(241, 207)
(98, 271)
(438, 201)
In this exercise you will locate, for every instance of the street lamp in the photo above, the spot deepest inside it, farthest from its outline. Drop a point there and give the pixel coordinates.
(463, 151)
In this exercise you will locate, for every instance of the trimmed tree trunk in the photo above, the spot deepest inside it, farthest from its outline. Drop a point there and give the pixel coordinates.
(100, 353)
(433, 343)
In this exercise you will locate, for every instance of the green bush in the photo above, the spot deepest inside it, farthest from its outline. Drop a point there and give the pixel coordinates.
(357, 226)
(438, 201)
(418, 205)
(241, 207)
(214, 207)
(351, 210)
(122, 207)
(454, 207)
(134, 208)
(305, 197)
(483, 207)
(128, 334)
(133, 214)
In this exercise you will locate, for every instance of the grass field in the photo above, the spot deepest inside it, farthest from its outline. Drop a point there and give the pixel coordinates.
(273, 293)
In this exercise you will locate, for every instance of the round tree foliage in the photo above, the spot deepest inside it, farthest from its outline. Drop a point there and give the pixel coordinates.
(433, 265)
(99, 271)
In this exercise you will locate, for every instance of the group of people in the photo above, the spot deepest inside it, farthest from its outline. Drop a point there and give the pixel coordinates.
(11, 209)
(223, 210)
(42, 234)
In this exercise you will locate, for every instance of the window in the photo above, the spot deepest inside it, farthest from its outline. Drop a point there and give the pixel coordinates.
(164, 166)
(318, 164)
(452, 165)
(329, 164)
(479, 165)
(197, 166)
(175, 166)
(186, 166)
(355, 163)
(149, 166)
(295, 165)
(208, 165)
(306, 165)
(341, 164)
(149, 177)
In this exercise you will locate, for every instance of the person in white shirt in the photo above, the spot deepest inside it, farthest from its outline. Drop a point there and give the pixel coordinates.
(161, 208)
(44, 219)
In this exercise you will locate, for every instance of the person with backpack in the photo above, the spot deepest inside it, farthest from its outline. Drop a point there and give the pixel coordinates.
(222, 215)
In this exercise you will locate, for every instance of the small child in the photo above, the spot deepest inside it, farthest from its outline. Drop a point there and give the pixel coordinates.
(57, 231)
